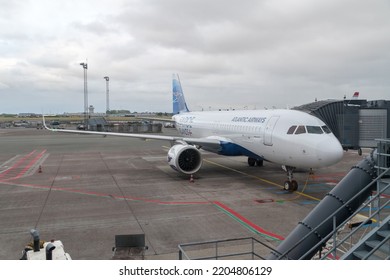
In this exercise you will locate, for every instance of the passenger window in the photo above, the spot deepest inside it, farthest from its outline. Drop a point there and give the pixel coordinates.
(291, 129)
(314, 129)
(326, 129)
(300, 130)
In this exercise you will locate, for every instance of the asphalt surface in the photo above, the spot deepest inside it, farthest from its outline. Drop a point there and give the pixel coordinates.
(84, 190)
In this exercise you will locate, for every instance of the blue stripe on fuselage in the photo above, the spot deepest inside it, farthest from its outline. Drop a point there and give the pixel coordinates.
(232, 149)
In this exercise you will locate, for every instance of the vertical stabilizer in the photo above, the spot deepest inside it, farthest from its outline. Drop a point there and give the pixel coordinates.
(179, 103)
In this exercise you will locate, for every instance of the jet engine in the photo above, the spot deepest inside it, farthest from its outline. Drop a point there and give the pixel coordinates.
(184, 158)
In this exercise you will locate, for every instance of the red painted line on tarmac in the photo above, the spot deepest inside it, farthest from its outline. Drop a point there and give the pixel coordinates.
(332, 175)
(329, 177)
(32, 162)
(231, 212)
(98, 194)
(17, 164)
(246, 221)
(156, 201)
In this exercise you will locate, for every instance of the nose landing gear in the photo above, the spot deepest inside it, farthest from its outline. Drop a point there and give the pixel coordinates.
(290, 185)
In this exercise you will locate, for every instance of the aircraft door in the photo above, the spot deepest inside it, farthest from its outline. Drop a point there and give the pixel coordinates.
(269, 128)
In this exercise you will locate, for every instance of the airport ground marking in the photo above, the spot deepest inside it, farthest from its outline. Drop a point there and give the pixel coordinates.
(243, 173)
(17, 164)
(29, 165)
(261, 179)
(39, 156)
(104, 195)
(219, 205)
(25, 164)
(5, 164)
(245, 222)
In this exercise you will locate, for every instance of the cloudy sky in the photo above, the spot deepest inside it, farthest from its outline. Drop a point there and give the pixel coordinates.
(228, 53)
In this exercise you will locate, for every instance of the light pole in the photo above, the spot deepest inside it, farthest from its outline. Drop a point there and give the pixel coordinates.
(107, 94)
(85, 66)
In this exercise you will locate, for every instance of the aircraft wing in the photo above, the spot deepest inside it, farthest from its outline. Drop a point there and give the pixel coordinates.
(210, 144)
(156, 119)
(203, 142)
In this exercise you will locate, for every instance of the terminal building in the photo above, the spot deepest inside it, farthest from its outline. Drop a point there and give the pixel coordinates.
(357, 123)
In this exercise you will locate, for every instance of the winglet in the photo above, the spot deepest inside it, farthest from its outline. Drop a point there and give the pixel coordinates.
(44, 123)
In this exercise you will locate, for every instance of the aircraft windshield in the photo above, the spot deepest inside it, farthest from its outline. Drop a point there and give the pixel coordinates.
(314, 129)
(326, 129)
(300, 130)
(311, 129)
(291, 129)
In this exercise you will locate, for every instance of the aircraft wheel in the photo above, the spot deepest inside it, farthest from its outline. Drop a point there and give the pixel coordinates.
(251, 161)
(287, 186)
(259, 162)
(294, 185)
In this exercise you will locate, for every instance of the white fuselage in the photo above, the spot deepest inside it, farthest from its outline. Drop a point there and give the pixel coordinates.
(287, 137)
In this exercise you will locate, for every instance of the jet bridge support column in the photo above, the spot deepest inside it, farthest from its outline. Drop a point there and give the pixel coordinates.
(357, 178)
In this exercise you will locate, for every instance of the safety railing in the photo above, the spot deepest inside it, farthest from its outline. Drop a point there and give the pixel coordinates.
(333, 233)
(337, 243)
(383, 186)
(238, 248)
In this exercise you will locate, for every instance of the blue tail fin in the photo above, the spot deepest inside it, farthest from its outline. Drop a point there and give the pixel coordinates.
(179, 103)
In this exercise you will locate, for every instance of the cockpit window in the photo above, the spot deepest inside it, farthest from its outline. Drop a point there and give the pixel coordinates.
(300, 130)
(314, 129)
(326, 129)
(291, 129)
(308, 129)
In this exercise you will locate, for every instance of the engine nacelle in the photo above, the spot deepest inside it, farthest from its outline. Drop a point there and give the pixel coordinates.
(184, 158)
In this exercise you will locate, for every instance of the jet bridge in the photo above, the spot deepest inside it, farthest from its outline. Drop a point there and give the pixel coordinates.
(345, 200)
(355, 122)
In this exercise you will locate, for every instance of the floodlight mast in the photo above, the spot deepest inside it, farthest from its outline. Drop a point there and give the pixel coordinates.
(107, 94)
(86, 117)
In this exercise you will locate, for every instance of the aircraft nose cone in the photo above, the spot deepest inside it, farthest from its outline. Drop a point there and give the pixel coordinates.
(330, 152)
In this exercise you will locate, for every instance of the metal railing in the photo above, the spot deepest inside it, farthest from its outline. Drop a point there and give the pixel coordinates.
(337, 243)
(335, 229)
(237, 248)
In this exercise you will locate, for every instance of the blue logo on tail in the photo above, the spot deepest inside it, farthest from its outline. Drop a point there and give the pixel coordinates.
(179, 103)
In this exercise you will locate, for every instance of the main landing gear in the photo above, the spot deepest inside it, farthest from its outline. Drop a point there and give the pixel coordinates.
(290, 185)
(253, 162)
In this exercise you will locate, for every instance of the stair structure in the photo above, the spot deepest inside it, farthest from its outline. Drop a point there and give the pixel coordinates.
(339, 226)
(374, 246)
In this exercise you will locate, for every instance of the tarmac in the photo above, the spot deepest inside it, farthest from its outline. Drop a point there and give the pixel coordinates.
(84, 190)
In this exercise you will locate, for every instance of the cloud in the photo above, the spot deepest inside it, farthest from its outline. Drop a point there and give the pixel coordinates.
(228, 53)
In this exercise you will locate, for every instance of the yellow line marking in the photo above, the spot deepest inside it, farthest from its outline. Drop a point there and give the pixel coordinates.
(259, 178)
(243, 173)
(256, 177)
(264, 180)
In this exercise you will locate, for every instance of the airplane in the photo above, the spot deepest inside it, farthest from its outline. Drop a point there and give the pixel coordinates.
(291, 138)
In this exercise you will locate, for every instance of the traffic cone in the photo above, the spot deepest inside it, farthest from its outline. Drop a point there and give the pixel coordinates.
(40, 169)
(191, 178)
